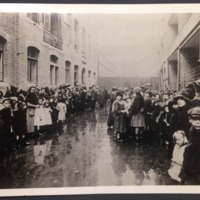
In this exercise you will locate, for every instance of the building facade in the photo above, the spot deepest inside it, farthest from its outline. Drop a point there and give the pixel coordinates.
(179, 50)
(47, 49)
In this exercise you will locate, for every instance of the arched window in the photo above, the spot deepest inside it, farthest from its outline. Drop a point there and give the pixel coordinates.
(32, 64)
(67, 71)
(76, 74)
(54, 70)
(83, 76)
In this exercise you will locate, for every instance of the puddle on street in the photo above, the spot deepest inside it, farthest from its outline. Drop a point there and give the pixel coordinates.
(84, 155)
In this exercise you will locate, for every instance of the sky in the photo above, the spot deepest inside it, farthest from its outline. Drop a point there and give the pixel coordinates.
(130, 41)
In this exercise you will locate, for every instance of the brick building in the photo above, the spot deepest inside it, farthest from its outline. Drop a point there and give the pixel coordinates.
(47, 49)
(179, 50)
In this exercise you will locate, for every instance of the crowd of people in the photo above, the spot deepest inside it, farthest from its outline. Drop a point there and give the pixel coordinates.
(40, 111)
(167, 118)
(154, 118)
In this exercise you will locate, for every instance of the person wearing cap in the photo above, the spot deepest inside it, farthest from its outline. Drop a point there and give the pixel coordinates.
(190, 172)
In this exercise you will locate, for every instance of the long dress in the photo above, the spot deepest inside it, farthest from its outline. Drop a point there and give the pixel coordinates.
(119, 117)
(137, 112)
(61, 107)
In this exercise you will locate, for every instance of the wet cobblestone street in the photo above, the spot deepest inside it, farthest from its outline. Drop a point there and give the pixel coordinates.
(84, 155)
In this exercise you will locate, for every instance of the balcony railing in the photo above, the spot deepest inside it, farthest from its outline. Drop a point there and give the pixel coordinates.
(52, 39)
(190, 76)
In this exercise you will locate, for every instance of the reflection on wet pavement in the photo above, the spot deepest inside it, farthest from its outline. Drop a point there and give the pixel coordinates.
(85, 154)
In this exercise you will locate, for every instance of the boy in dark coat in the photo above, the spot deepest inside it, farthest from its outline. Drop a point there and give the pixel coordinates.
(19, 122)
(190, 173)
(6, 122)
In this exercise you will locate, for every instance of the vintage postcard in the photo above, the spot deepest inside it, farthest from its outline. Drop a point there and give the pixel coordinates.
(99, 99)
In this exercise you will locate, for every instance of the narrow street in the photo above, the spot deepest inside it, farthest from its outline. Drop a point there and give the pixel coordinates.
(84, 155)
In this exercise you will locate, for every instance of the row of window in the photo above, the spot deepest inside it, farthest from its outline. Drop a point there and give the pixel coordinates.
(32, 67)
(54, 69)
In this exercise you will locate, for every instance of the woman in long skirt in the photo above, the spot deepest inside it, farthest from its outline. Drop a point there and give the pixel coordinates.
(137, 113)
(119, 113)
(32, 104)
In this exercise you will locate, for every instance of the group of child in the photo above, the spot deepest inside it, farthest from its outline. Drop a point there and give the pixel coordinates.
(37, 112)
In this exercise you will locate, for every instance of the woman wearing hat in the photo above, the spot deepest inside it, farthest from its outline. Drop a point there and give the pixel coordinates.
(32, 104)
(182, 121)
(119, 113)
(137, 113)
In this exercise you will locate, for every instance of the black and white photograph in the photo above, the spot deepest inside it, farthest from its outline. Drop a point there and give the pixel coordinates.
(99, 97)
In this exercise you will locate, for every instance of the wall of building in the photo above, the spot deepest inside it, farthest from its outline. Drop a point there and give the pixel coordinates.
(7, 31)
(22, 32)
(185, 43)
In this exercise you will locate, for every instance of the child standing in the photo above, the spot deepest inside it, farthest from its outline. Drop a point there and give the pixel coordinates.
(40, 119)
(62, 110)
(180, 141)
(48, 117)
